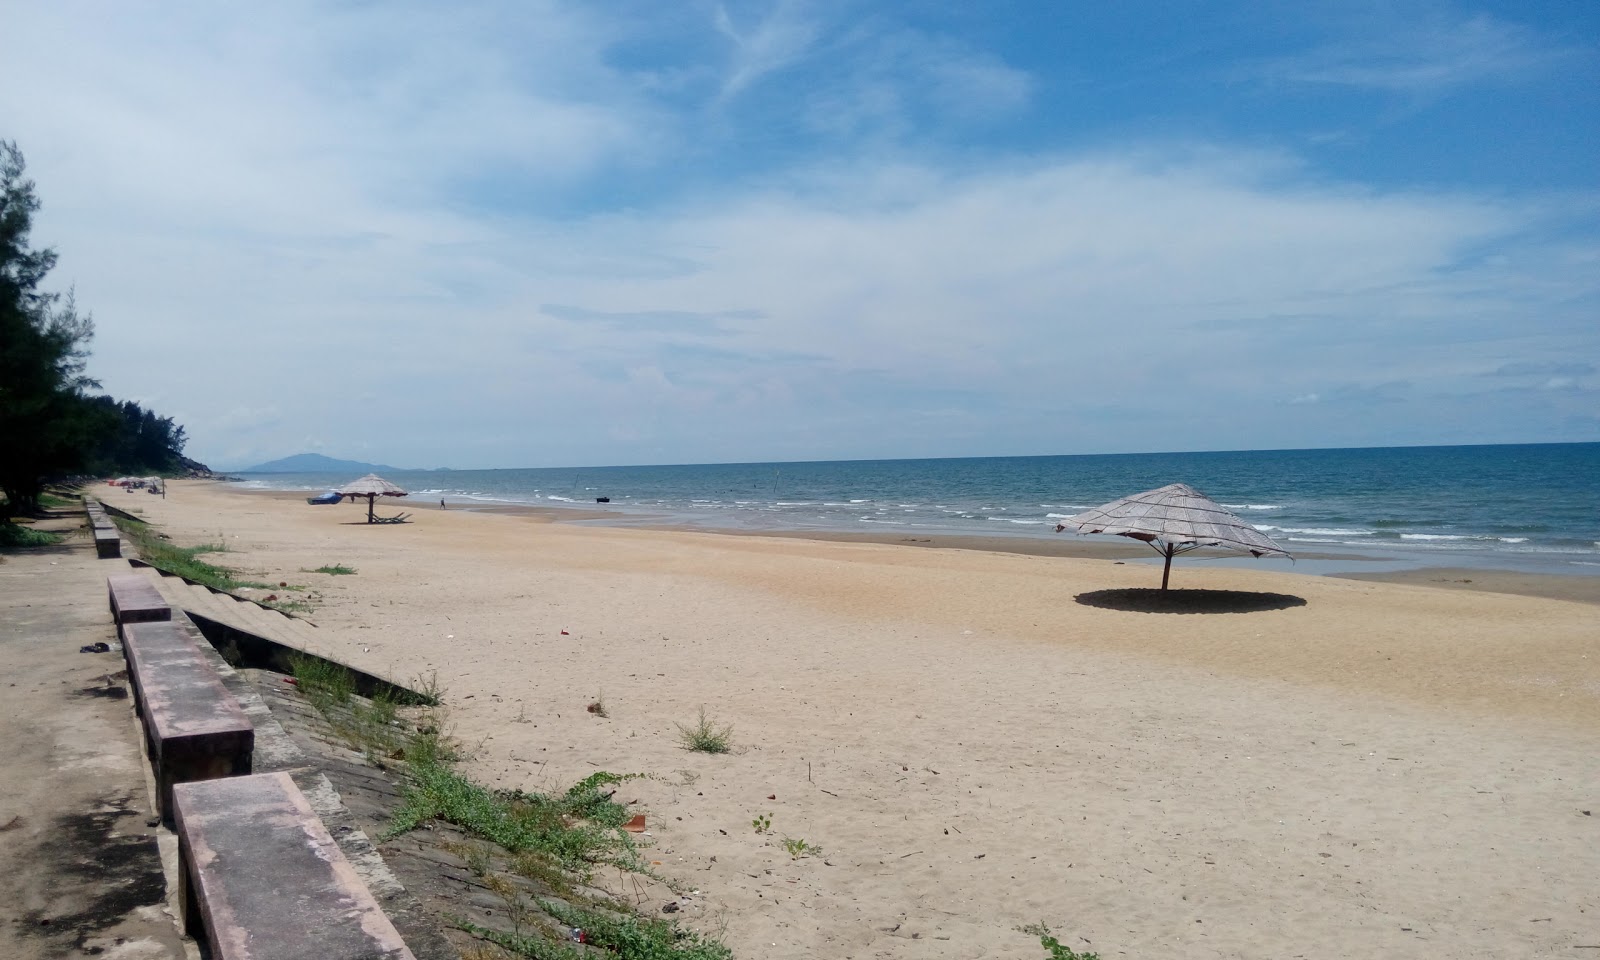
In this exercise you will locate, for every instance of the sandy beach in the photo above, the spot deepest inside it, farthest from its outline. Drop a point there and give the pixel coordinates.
(979, 739)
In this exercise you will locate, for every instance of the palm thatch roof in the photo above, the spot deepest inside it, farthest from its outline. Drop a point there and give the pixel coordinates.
(1174, 519)
(1176, 514)
(371, 485)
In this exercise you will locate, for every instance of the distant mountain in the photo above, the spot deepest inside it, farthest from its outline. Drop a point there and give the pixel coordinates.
(317, 463)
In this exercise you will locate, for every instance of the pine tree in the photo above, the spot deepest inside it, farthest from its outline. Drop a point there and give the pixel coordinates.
(46, 423)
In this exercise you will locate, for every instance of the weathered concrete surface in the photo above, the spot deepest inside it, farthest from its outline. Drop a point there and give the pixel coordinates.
(134, 599)
(195, 728)
(107, 543)
(80, 873)
(270, 882)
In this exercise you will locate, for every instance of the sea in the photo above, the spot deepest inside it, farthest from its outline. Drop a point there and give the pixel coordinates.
(1529, 507)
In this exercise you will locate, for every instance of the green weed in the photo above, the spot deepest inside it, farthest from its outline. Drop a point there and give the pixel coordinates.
(578, 830)
(322, 680)
(762, 822)
(160, 553)
(1058, 951)
(427, 689)
(21, 535)
(622, 935)
(336, 569)
(556, 840)
(705, 736)
(799, 848)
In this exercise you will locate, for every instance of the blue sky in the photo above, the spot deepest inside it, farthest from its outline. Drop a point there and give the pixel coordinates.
(546, 233)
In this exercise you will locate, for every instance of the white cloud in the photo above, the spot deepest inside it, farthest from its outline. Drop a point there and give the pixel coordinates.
(281, 235)
(1425, 55)
(728, 328)
(776, 41)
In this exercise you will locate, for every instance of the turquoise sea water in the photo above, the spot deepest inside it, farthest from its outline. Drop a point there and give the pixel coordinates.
(1533, 506)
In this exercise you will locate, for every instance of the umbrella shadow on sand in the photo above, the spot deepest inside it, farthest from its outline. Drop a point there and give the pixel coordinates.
(1154, 600)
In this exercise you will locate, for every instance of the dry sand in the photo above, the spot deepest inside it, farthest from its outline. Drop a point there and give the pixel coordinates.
(1381, 770)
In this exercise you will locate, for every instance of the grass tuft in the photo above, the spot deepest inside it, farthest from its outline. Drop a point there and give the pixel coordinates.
(18, 535)
(185, 562)
(705, 736)
(335, 569)
(622, 935)
(576, 831)
(555, 841)
(322, 680)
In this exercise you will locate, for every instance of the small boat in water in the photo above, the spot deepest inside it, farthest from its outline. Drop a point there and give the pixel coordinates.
(602, 499)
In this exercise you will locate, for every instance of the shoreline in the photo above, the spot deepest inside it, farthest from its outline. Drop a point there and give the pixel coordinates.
(1577, 587)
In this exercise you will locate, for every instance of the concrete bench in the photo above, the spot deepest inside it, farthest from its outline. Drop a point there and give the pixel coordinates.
(261, 879)
(195, 728)
(107, 543)
(134, 599)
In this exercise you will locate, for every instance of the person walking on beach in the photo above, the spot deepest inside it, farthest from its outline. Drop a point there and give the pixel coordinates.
(441, 504)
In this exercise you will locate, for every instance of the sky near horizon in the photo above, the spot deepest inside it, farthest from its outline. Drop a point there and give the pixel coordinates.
(544, 233)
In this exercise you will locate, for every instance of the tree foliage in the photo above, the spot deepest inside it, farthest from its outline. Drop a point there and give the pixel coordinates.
(49, 423)
(135, 441)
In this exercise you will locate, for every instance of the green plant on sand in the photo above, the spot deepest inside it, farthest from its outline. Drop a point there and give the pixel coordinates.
(705, 736)
(552, 842)
(322, 679)
(18, 535)
(334, 569)
(762, 823)
(182, 561)
(1057, 950)
(288, 606)
(610, 933)
(799, 848)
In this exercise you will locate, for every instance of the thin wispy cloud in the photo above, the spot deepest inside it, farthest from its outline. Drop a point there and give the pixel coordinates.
(779, 37)
(1427, 57)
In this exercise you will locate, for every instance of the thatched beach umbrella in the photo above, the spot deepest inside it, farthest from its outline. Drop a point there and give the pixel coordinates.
(1173, 519)
(372, 487)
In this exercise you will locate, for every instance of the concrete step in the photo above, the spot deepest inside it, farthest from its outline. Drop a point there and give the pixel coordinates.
(276, 626)
(220, 607)
(288, 626)
(198, 600)
(271, 624)
(245, 616)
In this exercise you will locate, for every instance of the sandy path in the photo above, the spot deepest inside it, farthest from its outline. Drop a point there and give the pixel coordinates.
(1385, 770)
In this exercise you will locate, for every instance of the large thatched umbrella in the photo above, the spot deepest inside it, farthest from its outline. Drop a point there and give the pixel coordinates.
(1173, 519)
(372, 487)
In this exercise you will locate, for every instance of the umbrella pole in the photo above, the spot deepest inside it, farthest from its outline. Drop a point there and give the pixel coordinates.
(371, 499)
(1166, 570)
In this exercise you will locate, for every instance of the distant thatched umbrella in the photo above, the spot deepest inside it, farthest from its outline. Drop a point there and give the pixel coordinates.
(372, 487)
(1173, 519)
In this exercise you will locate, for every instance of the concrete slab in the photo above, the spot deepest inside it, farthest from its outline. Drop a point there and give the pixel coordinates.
(80, 869)
(107, 543)
(263, 880)
(134, 599)
(195, 728)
